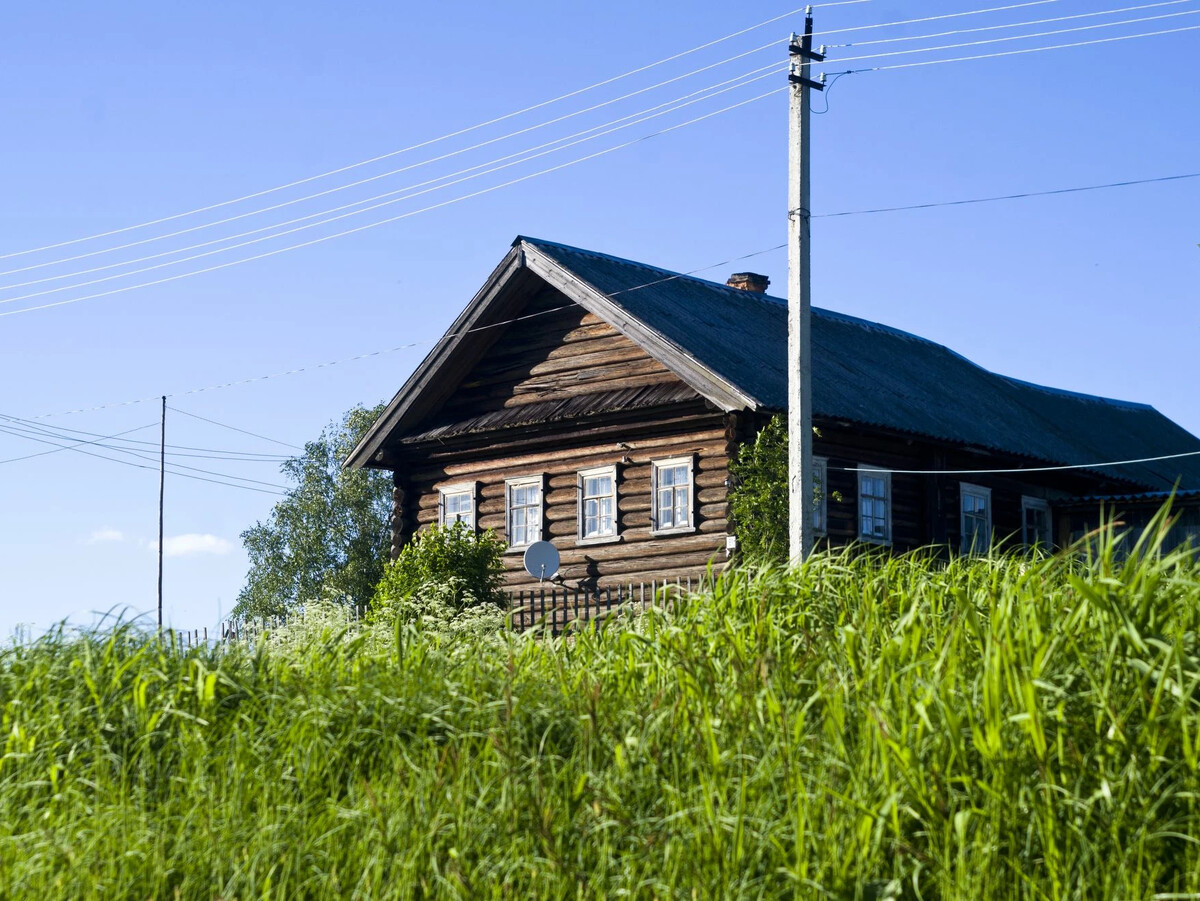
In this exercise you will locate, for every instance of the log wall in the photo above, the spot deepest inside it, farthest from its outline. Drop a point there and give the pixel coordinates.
(635, 555)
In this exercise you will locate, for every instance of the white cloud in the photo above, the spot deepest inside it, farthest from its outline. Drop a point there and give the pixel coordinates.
(102, 535)
(191, 544)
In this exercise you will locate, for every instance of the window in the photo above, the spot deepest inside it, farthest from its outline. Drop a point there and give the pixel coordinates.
(1035, 523)
(598, 504)
(671, 487)
(820, 520)
(976, 518)
(874, 504)
(523, 506)
(456, 503)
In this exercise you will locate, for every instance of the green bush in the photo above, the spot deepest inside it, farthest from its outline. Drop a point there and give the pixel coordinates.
(759, 500)
(450, 566)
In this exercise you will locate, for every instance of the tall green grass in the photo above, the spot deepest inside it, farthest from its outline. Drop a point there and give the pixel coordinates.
(866, 727)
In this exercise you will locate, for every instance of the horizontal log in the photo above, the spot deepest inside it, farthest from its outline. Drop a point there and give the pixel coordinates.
(562, 392)
(616, 568)
(565, 461)
(586, 357)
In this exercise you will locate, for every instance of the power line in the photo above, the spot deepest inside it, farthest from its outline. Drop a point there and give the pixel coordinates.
(234, 428)
(1021, 37)
(173, 450)
(517, 158)
(1023, 469)
(98, 440)
(457, 199)
(376, 224)
(391, 172)
(427, 143)
(942, 34)
(1000, 53)
(33, 432)
(77, 449)
(484, 124)
(1021, 196)
(958, 15)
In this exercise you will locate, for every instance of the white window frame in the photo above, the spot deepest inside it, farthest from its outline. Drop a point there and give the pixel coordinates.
(820, 519)
(1036, 503)
(655, 467)
(866, 471)
(602, 537)
(965, 490)
(523, 482)
(471, 489)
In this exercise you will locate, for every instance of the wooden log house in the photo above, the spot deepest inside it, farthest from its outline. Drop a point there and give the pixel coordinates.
(596, 402)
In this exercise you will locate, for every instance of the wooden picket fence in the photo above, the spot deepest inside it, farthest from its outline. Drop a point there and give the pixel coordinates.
(557, 609)
(554, 609)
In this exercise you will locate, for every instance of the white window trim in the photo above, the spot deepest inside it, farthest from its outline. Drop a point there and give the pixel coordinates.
(580, 540)
(965, 489)
(469, 488)
(655, 465)
(517, 482)
(875, 472)
(821, 464)
(1035, 503)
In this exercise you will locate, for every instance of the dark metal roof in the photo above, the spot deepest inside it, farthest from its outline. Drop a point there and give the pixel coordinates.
(876, 375)
(557, 410)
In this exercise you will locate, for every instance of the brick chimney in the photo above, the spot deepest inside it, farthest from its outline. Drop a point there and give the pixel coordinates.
(749, 281)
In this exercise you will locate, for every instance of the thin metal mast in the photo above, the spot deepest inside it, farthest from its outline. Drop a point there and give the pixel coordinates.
(162, 485)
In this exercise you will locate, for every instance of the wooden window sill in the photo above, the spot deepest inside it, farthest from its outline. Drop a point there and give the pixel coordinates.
(667, 533)
(602, 539)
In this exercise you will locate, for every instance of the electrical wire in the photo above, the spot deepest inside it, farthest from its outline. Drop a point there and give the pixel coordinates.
(484, 124)
(39, 432)
(172, 450)
(958, 15)
(1021, 37)
(371, 225)
(77, 449)
(1000, 53)
(234, 428)
(98, 439)
(943, 34)
(444, 137)
(440, 182)
(397, 171)
(1023, 469)
(376, 224)
(1021, 196)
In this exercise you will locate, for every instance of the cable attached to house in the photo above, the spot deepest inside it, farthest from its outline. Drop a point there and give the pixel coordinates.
(1023, 469)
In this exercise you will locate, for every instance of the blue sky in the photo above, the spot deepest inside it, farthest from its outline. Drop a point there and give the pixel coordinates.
(118, 114)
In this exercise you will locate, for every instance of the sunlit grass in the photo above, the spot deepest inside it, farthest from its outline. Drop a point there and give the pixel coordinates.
(867, 727)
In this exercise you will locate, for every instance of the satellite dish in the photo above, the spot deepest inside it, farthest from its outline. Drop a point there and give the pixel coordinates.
(541, 560)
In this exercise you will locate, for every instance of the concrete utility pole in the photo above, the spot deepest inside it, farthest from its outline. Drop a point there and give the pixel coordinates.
(801, 489)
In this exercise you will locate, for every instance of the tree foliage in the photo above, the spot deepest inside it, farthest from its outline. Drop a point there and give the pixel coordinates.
(330, 537)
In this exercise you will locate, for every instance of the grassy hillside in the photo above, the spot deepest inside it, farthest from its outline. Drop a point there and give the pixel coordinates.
(865, 728)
